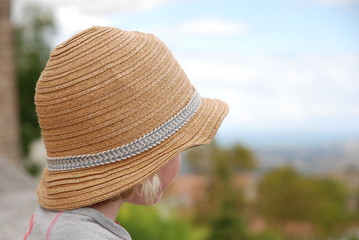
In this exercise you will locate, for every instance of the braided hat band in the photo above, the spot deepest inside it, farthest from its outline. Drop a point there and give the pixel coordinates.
(114, 107)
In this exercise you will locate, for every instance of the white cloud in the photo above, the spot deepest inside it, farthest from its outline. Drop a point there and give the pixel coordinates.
(71, 21)
(212, 26)
(274, 91)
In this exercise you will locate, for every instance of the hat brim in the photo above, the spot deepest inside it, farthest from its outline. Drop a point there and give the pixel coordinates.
(63, 190)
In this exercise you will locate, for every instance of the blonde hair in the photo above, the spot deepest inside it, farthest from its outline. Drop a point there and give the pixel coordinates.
(148, 190)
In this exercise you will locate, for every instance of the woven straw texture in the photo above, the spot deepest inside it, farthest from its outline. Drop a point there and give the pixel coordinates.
(103, 89)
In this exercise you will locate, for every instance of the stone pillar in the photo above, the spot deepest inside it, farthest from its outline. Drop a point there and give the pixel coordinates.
(9, 121)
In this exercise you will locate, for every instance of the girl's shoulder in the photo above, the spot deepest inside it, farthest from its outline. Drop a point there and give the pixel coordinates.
(84, 223)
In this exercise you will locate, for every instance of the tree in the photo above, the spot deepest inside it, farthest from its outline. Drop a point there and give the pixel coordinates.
(32, 40)
(284, 195)
(9, 129)
(222, 207)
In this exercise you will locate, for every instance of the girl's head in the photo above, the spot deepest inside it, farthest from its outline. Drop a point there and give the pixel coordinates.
(116, 109)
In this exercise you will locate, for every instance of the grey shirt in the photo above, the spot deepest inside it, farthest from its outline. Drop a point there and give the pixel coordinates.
(79, 224)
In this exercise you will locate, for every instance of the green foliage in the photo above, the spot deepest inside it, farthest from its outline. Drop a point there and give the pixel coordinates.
(213, 157)
(32, 49)
(223, 204)
(285, 195)
(268, 235)
(355, 215)
(228, 224)
(243, 157)
(33, 169)
(145, 222)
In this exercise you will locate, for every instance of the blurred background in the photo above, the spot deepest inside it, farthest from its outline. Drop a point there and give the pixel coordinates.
(285, 164)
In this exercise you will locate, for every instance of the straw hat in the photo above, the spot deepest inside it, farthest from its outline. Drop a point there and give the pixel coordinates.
(114, 107)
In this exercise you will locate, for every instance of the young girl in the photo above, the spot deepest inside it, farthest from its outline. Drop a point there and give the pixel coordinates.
(116, 110)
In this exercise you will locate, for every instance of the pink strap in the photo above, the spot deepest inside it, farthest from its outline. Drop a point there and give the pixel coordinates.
(31, 226)
(52, 224)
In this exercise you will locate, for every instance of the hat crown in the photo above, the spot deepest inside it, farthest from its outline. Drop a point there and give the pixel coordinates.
(104, 88)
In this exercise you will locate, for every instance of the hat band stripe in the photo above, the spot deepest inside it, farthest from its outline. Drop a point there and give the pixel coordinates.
(133, 148)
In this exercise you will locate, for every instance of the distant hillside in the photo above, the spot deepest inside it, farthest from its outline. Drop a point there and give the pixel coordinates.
(316, 159)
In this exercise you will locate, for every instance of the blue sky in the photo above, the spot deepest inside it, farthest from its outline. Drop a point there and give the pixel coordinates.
(274, 26)
(288, 69)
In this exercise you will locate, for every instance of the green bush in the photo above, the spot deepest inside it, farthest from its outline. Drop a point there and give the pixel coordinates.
(150, 223)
